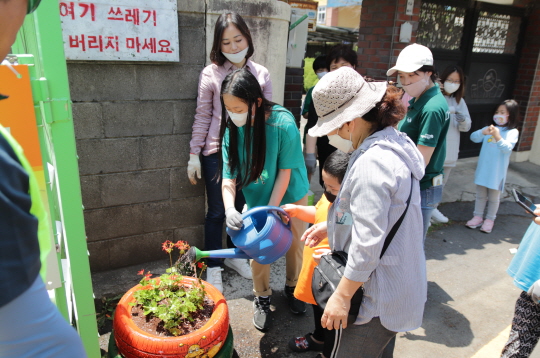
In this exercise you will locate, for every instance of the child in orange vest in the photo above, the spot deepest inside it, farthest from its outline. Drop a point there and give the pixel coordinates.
(332, 174)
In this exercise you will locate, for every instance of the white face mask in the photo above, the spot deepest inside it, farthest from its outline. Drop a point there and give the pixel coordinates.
(321, 74)
(417, 88)
(236, 57)
(500, 119)
(345, 145)
(450, 87)
(239, 119)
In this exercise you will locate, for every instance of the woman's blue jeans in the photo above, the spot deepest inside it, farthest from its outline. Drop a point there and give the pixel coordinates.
(215, 216)
(429, 199)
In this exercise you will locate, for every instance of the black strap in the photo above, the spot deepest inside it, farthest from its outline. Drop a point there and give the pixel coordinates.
(397, 224)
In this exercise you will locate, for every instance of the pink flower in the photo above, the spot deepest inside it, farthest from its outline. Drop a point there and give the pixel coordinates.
(167, 246)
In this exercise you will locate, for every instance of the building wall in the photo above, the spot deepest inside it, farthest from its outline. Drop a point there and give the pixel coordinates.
(293, 91)
(527, 90)
(133, 126)
(378, 40)
(349, 16)
(332, 16)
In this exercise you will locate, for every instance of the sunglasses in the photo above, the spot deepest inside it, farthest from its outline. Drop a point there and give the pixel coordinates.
(32, 5)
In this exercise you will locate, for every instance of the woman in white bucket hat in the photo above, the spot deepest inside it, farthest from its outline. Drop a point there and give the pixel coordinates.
(426, 121)
(383, 174)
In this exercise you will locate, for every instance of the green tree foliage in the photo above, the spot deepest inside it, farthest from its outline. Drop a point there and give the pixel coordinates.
(310, 78)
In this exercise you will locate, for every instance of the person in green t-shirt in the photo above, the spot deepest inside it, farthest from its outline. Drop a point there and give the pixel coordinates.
(308, 112)
(426, 121)
(262, 156)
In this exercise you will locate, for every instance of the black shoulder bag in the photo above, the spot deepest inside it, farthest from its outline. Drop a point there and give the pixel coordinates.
(331, 267)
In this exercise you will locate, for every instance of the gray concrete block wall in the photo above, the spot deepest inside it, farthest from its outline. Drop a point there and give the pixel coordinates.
(133, 126)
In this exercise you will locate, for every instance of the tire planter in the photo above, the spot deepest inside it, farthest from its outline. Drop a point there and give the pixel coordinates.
(132, 342)
(226, 351)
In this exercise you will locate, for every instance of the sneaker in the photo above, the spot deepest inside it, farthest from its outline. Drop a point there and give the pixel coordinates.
(295, 305)
(213, 277)
(474, 222)
(487, 226)
(241, 266)
(262, 315)
(304, 344)
(438, 218)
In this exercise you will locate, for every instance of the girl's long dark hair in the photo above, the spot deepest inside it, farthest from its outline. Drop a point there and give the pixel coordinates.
(243, 85)
(223, 21)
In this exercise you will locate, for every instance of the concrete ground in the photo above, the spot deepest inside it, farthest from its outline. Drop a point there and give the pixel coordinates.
(470, 296)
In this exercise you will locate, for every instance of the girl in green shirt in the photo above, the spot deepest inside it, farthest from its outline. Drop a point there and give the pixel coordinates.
(261, 145)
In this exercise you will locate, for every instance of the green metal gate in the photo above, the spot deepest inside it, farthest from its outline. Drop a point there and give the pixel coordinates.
(40, 46)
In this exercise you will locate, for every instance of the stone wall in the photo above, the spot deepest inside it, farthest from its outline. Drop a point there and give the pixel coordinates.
(133, 127)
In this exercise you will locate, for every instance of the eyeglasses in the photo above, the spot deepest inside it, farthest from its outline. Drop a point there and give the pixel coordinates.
(454, 82)
(32, 5)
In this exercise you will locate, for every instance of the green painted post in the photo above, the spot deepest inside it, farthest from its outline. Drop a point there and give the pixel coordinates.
(41, 36)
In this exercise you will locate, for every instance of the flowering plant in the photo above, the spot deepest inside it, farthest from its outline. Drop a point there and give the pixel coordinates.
(167, 297)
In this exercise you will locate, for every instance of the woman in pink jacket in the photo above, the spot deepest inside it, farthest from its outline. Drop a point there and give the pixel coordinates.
(231, 50)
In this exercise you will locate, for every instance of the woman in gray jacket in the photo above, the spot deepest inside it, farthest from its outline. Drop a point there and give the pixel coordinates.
(360, 117)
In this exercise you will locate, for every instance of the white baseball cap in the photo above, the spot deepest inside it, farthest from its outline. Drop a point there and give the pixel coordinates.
(411, 58)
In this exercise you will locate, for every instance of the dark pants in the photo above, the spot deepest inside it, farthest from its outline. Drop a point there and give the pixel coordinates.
(370, 340)
(322, 334)
(215, 216)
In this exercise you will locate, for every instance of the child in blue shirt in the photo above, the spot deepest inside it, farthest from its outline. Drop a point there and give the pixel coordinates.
(497, 140)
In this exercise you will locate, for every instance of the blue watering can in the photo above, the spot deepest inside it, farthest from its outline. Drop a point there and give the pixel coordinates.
(263, 238)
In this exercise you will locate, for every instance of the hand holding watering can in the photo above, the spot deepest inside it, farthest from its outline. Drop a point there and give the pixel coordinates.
(233, 219)
(260, 234)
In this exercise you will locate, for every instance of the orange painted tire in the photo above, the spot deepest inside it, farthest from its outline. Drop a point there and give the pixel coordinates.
(132, 342)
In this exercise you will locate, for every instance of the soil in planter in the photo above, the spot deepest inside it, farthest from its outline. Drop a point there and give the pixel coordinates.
(154, 325)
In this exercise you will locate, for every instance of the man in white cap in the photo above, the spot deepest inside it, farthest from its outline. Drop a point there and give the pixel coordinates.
(426, 121)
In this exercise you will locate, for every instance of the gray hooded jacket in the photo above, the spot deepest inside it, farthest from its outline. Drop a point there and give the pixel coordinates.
(372, 197)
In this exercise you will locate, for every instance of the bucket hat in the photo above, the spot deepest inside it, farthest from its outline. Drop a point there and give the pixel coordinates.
(341, 96)
(411, 58)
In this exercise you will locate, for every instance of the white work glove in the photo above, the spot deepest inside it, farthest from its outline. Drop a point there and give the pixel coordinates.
(460, 117)
(311, 162)
(233, 219)
(193, 166)
(534, 291)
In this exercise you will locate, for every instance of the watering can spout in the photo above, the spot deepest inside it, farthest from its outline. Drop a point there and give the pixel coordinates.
(194, 254)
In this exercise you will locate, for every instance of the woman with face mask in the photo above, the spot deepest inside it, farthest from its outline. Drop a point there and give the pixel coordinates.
(262, 155)
(232, 49)
(426, 121)
(384, 171)
(453, 81)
